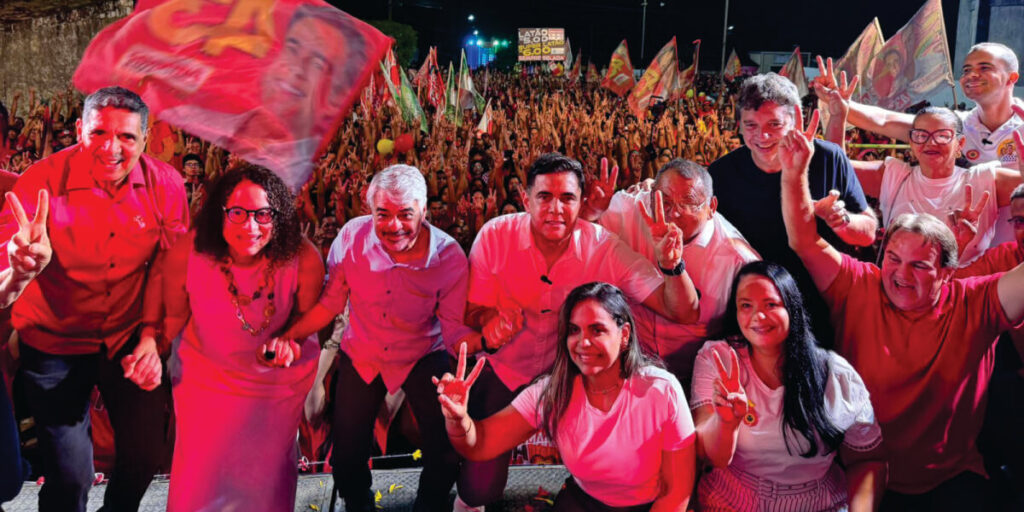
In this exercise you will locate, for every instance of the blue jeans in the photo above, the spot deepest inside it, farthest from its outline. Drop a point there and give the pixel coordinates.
(57, 388)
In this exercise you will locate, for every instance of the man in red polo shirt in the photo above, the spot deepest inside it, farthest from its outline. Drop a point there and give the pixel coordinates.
(90, 317)
(922, 341)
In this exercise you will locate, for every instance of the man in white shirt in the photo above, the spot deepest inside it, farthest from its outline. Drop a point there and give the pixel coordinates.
(405, 283)
(522, 267)
(714, 251)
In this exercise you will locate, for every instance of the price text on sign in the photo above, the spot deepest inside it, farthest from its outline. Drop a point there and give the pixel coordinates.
(542, 44)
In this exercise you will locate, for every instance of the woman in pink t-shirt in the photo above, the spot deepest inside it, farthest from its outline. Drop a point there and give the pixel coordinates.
(770, 425)
(619, 420)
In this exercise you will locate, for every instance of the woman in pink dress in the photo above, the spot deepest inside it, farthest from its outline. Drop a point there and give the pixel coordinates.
(233, 284)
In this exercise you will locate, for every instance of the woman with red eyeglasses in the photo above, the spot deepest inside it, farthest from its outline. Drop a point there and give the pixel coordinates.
(233, 284)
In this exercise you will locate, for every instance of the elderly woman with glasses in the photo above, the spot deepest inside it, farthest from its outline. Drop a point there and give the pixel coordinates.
(233, 284)
(967, 199)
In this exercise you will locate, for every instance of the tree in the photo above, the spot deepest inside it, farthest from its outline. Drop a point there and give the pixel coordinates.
(405, 39)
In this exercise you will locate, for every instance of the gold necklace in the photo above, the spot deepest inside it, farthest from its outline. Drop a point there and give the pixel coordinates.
(238, 300)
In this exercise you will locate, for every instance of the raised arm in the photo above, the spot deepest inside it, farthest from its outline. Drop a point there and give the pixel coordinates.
(821, 259)
(718, 424)
(677, 298)
(29, 250)
(891, 124)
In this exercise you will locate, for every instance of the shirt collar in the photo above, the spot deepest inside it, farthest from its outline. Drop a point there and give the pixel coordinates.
(80, 176)
(704, 237)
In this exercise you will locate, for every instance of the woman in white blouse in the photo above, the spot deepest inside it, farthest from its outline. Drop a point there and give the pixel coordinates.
(620, 422)
(771, 424)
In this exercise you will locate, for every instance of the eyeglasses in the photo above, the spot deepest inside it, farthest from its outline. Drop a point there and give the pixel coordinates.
(942, 137)
(692, 208)
(1017, 222)
(238, 215)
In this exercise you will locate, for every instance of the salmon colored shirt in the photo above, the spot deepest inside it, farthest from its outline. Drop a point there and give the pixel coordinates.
(91, 293)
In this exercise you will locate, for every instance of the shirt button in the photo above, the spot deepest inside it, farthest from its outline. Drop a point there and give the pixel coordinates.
(389, 292)
(111, 264)
(111, 234)
(108, 293)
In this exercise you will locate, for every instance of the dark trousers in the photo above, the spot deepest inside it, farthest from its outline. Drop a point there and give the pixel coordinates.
(966, 491)
(481, 483)
(58, 388)
(354, 414)
(574, 499)
(13, 469)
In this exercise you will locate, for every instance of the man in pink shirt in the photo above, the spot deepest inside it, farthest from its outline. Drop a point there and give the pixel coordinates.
(922, 341)
(91, 317)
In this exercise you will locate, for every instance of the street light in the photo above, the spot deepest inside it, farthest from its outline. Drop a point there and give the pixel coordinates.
(725, 30)
(476, 32)
(471, 17)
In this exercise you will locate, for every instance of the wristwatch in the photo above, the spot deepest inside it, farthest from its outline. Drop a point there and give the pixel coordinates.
(677, 271)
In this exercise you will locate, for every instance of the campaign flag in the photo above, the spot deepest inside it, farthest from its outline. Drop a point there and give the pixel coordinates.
(424, 71)
(657, 82)
(793, 69)
(451, 101)
(486, 124)
(592, 74)
(556, 68)
(568, 54)
(392, 72)
(366, 98)
(435, 83)
(410, 105)
(267, 80)
(574, 74)
(858, 56)
(732, 66)
(912, 65)
(468, 97)
(688, 76)
(619, 78)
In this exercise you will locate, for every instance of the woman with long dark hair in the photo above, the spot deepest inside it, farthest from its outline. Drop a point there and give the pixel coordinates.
(772, 422)
(619, 420)
(233, 284)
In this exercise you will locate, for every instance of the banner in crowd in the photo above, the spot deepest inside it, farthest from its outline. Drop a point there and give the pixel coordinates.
(592, 74)
(574, 74)
(268, 80)
(688, 75)
(435, 83)
(392, 76)
(451, 95)
(657, 82)
(468, 97)
(857, 58)
(421, 75)
(486, 124)
(733, 67)
(410, 105)
(546, 44)
(619, 78)
(912, 65)
(568, 54)
(793, 69)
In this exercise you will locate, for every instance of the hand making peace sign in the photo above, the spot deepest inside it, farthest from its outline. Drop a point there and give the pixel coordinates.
(29, 249)
(964, 221)
(453, 390)
(797, 146)
(668, 238)
(730, 399)
(601, 190)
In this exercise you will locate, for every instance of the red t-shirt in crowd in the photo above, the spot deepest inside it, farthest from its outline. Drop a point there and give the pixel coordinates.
(91, 293)
(1000, 258)
(927, 372)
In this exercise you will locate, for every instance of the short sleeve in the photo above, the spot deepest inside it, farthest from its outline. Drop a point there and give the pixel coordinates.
(483, 282)
(896, 172)
(852, 193)
(677, 431)
(848, 404)
(634, 274)
(335, 294)
(702, 388)
(527, 402)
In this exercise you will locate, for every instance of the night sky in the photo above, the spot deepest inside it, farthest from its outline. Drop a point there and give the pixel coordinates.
(597, 26)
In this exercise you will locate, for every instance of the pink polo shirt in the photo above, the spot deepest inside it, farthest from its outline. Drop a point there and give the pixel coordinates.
(91, 293)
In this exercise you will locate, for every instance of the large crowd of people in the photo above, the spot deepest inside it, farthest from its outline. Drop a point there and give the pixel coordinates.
(687, 303)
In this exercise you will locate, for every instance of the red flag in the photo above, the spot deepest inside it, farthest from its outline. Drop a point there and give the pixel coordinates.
(619, 78)
(393, 71)
(658, 80)
(793, 69)
(592, 74)
(268, 80)
(421, 75)
(733, 67)
(486, 124)
(435, 84)
(688, 75)
(574, 73)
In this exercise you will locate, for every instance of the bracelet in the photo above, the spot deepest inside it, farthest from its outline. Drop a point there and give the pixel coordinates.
(677, 271)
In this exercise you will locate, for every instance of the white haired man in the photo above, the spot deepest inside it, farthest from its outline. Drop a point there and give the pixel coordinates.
(405, 282)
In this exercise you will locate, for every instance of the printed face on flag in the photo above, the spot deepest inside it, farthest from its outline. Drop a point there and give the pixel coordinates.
(265, 79)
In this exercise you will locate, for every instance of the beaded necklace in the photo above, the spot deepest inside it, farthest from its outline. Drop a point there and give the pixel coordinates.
(238, 300)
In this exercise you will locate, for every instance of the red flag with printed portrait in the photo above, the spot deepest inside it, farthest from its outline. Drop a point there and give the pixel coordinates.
(266, 79)
(619, 78)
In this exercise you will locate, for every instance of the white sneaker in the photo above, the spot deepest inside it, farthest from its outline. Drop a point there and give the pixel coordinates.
(460, 506)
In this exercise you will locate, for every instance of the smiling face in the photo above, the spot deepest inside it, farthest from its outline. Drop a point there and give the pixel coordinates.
(685, 203)
(763, 129)
(985, 78)
(932, 155)
(397, 223)
(761, 313)
(595, 340)
(113, 139)
(247, 239)
(553, 203)
(912, 276)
